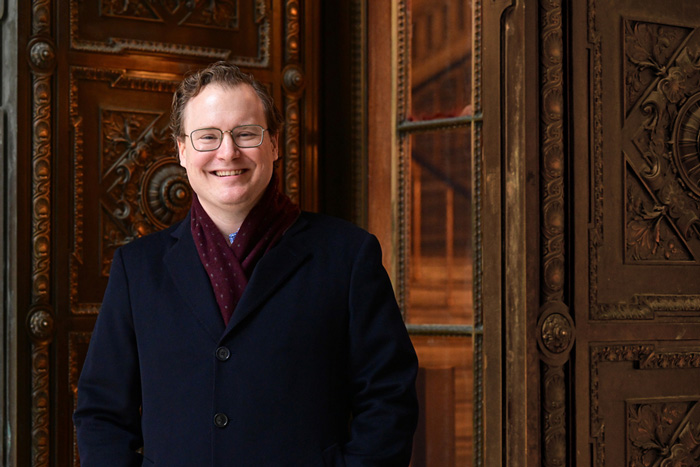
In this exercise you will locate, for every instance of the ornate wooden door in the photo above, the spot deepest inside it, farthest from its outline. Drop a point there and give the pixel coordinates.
(635, 199)
(101, 168)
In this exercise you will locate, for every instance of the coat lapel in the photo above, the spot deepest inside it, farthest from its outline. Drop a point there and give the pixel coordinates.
(271, 272)
(192, 282)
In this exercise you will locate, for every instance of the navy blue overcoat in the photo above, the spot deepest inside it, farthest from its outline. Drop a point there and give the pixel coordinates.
(315, 367)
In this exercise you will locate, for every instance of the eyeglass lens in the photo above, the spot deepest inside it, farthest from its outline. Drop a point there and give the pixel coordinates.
(209, 139)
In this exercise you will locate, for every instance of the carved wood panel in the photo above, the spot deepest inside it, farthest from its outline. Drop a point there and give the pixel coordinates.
(635, 293)
(635, 421)
(645, 169)
(127, 181)
(233, 30)
(103, 166)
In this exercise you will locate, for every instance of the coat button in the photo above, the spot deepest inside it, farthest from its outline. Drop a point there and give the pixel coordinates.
(223, 354)
(220, 420)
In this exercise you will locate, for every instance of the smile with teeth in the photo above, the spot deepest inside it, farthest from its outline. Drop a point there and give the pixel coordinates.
(227, 173)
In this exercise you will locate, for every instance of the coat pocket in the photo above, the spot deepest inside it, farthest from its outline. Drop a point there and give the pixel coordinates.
(333, 456)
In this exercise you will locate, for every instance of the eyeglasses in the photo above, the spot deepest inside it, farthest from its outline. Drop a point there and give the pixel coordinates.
(244, 136)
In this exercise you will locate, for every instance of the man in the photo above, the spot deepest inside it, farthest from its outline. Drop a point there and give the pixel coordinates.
(249, 334)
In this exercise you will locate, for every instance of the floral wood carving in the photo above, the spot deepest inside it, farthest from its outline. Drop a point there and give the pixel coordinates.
(667, 140)
(143, 187)
(169, 20)
(144, 191)
(641, 419)
(651, 233)
(648, 48)
(213, 13)
(663, 434)
(662, 78)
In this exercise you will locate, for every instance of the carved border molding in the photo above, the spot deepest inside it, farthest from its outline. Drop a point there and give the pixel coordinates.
(555, 325)
(403, 206)
(118, 79)
(293, 83)
(645, 356)
(477, 235)
(596, 234)
(118, 45)
(358, 152)
(41, 57)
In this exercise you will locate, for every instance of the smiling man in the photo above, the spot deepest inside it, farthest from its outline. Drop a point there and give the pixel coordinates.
(228, 169)
(250, 333)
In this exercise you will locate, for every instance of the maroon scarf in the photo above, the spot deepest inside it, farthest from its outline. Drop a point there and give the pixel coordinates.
(229, 267)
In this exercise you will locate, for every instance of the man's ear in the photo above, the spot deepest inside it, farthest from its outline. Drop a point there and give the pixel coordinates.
(181, 151)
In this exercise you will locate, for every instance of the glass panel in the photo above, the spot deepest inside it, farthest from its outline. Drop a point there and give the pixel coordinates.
(440, 264)
(441, 55)
(445, 391)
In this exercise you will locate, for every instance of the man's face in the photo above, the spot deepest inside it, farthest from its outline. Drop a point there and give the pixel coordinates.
(229, 179)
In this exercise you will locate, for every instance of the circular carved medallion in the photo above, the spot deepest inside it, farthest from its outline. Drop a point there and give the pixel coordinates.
(40, 324)
(556, 333)
(686, 144)
(42, 55)
(167, 194)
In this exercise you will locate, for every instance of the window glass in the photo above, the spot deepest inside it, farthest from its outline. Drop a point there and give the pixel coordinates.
(441, 53)
(445, 392)
(440, 270)
(436, 145)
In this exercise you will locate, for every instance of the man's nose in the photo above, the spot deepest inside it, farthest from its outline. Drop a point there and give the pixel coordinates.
(228, 147)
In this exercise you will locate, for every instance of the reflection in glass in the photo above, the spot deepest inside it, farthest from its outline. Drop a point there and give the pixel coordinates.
(440, 280)
(445, 392)
(441, 57)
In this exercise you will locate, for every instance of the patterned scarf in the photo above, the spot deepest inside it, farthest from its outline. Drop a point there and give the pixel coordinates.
(230, 266)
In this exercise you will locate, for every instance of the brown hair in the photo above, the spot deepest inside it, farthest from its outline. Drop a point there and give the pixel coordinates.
(225, 74)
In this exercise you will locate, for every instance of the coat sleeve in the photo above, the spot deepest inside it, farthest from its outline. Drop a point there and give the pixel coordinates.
(383, 368)
(107, 416)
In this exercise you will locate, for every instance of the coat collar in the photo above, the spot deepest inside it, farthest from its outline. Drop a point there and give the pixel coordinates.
(271, 272)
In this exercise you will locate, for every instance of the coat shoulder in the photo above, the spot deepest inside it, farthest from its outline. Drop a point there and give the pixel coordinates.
(324, 224)
(155, 243)
(331, 232)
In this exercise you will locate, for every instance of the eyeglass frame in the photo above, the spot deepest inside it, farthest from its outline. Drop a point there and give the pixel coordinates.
(221, 138)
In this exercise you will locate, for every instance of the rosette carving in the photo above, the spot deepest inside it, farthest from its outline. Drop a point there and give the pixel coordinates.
(293, 79)
(41, 324)
(167, 195)
(42, 56)
(556, 333)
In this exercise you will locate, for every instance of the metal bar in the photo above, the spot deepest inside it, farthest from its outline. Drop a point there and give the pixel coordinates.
(438, 123)
(443, 330)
